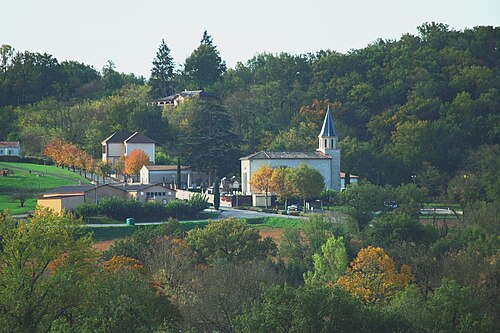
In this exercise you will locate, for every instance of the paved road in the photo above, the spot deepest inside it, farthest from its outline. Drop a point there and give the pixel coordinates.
(225, 213)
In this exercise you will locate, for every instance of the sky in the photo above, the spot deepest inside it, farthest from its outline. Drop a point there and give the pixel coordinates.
(129, 32)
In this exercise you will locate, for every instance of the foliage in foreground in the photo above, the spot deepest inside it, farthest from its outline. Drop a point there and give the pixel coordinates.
(52, 280)
(120, 209)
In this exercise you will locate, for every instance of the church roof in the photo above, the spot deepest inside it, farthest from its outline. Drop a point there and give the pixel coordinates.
(328, 129)
(278, 155)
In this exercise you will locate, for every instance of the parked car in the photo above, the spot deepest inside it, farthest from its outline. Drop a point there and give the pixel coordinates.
(293, 209)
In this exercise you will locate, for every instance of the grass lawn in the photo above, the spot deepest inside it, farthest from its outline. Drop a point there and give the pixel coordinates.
(49, 169)
(102, 234)
(32, 183)
(442, 205)
(13, 205)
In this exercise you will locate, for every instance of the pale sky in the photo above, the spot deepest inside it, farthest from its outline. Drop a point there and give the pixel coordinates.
(128, 32)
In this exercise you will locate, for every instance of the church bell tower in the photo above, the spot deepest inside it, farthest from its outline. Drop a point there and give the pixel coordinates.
(328, 142)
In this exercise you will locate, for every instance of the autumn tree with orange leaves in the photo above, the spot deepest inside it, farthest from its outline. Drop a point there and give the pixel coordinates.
(261, 179)
(373, 277)
(135, 161)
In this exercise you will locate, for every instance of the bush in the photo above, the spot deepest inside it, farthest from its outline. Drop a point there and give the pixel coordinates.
(199, 202)
(179, 209)
(395, 227)
(120, 209)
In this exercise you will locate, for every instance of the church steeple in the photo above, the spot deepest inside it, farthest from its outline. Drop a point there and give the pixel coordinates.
(328, 135)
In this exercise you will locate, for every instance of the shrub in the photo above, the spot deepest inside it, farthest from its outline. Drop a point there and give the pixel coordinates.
(120, 209)
(179, 209)
(199, 202)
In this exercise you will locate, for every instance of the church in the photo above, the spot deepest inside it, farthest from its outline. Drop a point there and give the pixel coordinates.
(326, 159)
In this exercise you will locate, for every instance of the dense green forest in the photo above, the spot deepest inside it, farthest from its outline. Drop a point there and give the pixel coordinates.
(424, 105)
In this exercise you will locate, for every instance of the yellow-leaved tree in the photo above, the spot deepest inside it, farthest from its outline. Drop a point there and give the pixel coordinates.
(373, 276)
(261, 179)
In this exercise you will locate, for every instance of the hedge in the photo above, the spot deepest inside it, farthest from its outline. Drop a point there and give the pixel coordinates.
(121, 209)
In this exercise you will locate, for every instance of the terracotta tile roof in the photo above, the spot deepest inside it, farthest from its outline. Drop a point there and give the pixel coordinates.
(9, 144)
(269, 155)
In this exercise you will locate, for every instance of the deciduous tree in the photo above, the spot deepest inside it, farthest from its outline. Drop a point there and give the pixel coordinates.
(307, 181)
(229, 239)
(373, 277)
(135, 161)
(330, 264)
(261, 179)
(281, 184)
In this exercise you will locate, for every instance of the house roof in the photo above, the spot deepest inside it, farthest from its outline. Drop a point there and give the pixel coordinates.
(9, 144)
(136, 187)
(328, 129)
(70, 189)
(126, 136)
(139, 138)
(269, 155)
(187, 93)
(342, 175)
(81, 189)
(164, 167)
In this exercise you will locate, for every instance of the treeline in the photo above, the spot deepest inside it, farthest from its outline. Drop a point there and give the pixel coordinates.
(392, 275)
(413, 106)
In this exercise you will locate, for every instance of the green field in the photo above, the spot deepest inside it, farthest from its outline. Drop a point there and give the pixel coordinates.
(101, 234)
(23, 180)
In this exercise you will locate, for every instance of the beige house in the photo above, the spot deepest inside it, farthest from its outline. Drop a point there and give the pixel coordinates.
(326, 159)
(147, 192)
(68, 197)
(122, 143)
(167, 174)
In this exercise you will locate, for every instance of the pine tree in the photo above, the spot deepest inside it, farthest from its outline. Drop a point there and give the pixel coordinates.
(162, 73)
(204, 66)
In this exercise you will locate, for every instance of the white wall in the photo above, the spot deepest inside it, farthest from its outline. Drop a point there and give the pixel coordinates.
(148, 148)
(251, 166)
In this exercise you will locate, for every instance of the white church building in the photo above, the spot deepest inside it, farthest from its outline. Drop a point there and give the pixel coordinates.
(326, 159)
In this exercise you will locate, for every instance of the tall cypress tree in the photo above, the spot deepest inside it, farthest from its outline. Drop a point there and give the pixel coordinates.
(162, 73)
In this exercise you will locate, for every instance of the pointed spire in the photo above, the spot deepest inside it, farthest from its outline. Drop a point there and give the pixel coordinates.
(328, 129)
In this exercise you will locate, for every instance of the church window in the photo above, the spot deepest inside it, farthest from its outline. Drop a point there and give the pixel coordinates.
(326, 145)
(332, 143)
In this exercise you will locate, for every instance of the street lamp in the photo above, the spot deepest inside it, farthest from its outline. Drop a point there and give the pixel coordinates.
(414, 178)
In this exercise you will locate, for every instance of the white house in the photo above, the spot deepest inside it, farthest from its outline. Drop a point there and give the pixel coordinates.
(326, 159)
(177, 99)
(122, 143)
(167, 174)
(10, 148)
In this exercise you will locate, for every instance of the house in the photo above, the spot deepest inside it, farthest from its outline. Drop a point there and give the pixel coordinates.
(167, 174)
(68, 197)
(353, 180)
(122, 143)
(326, 159)
(147, 192)
(176, 99)
(10, 148)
